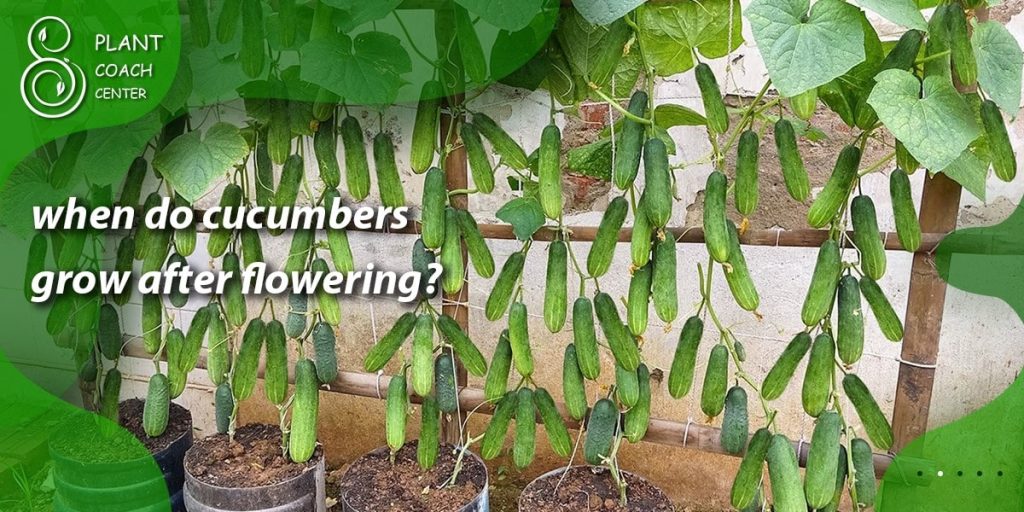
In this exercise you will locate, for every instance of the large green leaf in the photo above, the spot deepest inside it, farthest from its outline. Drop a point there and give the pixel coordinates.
(970, 172)
(366, 70)
(802, 50)
(357, 12)
(592, 51)
(191, 163)
(1000, 63)
(603, 12)
(936, 127)
(26, 188)
(669, 34)
(108, 152)
(503, 13)
(900, 12)
(524, 214)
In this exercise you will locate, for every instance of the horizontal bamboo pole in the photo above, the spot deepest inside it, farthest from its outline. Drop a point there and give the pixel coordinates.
(663, 432)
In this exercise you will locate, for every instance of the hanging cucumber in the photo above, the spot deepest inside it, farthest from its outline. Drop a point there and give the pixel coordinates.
(233, 301)
(784, 474)
(253, 54)
(864, 471)
(494, 436)
(388, 182)
(227, 21)
(423, 354)
(108, 336)
(524, 448)
(519, 338)
(823, 461)
(479, 161)
(218, 347)
(602, 250)
(621, 342)
(663, 284)
(866, 236)
(584, 337)
(395, 419)
(219, 239)
(504, 285)
(243, 377)
(639, 415)
(850, 335)
(157, 408)
(793, 171)
(737, 275)
(711, 95)
(817, 388)
(327, 304)
(824, 281)
(1004, 161)
(435, 198)
(122, 263)
(716, 377)
(464, 348)
(903, 210)
(601, 429)
(837, 189)
(291, 180)
(885, 315)
(875, 424)
(252, 247)
(736, 423)
(782, 371)
(454, 276)
(325, 147)
(716, 227)
(224, 405)
(639, 302)
(904, 54)
(445, 387)
(337, 239)
(630, 143)
(549, 172)
(512, 154)
(476, 246)
(357, 167)
(965, 64)
(640, 239)
(556, 294)
(657, 183)
(554, 425)
(573, 389)
(747, 484)
(805, 103)
(425, 130)
(324, 352)
(501, 364)
(747, 163)
(429, 444)
(680, 377)
(384, 350)
(275, 374)
(627, 387)
(152, 322)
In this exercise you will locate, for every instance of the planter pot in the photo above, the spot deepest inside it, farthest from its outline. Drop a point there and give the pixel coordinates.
(373, 484)
(587, 488)
(124, 484)
(219, 475)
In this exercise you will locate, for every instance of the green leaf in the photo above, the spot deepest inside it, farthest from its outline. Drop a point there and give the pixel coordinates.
(594, 159)
(669, 34)
(592, 52)
(603, 12)
(108, 152)
(27, 187)
(192, 163)
(900, 12)
(669, 115)
(358, 12)
(935, 128)
(969, 171)
(524, 214)
(502, 13)
(367, 70)
(1000, 63)
(804, 51)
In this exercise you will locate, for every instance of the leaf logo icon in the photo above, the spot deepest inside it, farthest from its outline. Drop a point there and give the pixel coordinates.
(42, 35)
(60, 88)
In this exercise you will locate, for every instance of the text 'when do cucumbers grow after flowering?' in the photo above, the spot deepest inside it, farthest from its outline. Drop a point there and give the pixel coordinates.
(255, 279)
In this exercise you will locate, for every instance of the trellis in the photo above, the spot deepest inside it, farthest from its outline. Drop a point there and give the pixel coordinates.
(923, 319)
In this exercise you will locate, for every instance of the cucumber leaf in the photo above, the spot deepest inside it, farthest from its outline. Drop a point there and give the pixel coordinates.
(901, 12)
(1000, 63)
(603, 12)
(670, 34)
(502, 13)
(524, 214)
(970, 171)
(192, 163)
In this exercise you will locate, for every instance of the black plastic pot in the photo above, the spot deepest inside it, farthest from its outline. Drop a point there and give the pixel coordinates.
(115, 486)
(303, 493)
(480, 503)
(557, 474)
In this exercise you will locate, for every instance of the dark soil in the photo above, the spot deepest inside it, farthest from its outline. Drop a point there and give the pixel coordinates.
(254, 459)
(178, 423)
(587, 489)
(373, 484)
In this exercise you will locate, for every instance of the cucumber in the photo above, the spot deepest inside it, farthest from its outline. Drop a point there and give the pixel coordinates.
(630, 143)
(827, 271)
(863, 472)
(1004, 161)
(327, 304)
(199, 22)
(716, 377)
(185, 238)
(640, 238)
(122, 263)
(817, 388)
(471, 52)
(397, 406)
(494, 436)
(299, 251)
(747, 484)
(850, 335)
(479, 161)
(279, 139)
(423, 354)
(554, 425)
(131, 190)
(885, 315)
(326, 151)
(337, 240)
(425, 130)
(747, 166)
(782, 371)
(585, 338)
(805, 103)
(384, 350)
(965, 65)
(840, 483)
(627, 387)
(429, 444)
(108, 336)
(904, 54)
(218, 351)
(904, 213)
(737, 275)
(823, 461)
(556, 301)
(573, 390)
(157, 407)
(501, 364)
(305, 406)
(227, 21)
(875, 424)
(142, 235)
(152, 322)
(275, 374)
(680, 377)
(866, 236)
(711, 95)
(219, 239)
(194, 339)
(639, 415)
(519, 338)
(793, 171)
(291, 180)
(735, 424)
(388, 182)
(357, 168)
(657, 183)
(512, 154)
(435, 198)
(504, 285)
(454, 277)
(716, 228)
(524, 448)
(445, 387)
(224, 406)
(663, 286)
(176, 298)
(36, 261)
(253, 53)
(905, 160)
(623, 345)
(476, 246)
(464, 348)
(286, 13)
(784, 473)
(601, 430)
(837, 188)
(549, 172)
(422, 259)
(639, 302)
(298, 308)
(324, 352)
(243, 377)
(252, 247)
(109, 406)
(602, 250)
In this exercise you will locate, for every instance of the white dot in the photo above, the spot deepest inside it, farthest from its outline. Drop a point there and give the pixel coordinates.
(941, 473)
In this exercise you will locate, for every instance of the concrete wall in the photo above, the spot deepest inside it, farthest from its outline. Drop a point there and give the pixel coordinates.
(970, 374)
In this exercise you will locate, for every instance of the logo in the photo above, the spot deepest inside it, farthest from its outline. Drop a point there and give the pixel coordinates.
(51, 87)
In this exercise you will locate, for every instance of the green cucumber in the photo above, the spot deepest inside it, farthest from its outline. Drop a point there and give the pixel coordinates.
(747, 484)
(395, 418)
(866, 237)
(512, 154)
(325, 353)
(357, 167)
(716, 377)
(823, 461)
(429, 444)
(1004, 161)
(630, 143)
(494, 436)
(824, 280)
(639, 303)
(602, 250)
(524, 448)
(464, 348)
(556, 293)
(711, 96)
(157, 408)
(903, 211)
(875, 424)
(425, 130)
(888, 321)
(716, 227)
(384, 350)
(519, 338)
(736, 423)
(623, 345)
(817, 388)
(476, 246)
(863, 472)
(737, 275)
(479, 161)
(584, 337)
(423, 355)
(627, 387)
(793, 171)
(445, 387)
(504, 285)
(501, 364)
(784, 473)
(275, 374)
(224, 406)
(554, 425)
(747, 167)
(639, 415)
(782, 371)
(657, 183)
(680, 377)
(549, 172)
(850, 334)
(435, 197)
(573, 389)
(454, 276)
(601, 429)
(664, 284)
(837, 189)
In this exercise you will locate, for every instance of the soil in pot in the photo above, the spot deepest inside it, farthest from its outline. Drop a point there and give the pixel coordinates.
(589, 489)
(178, 423)
(220, 462)
(372, 483)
